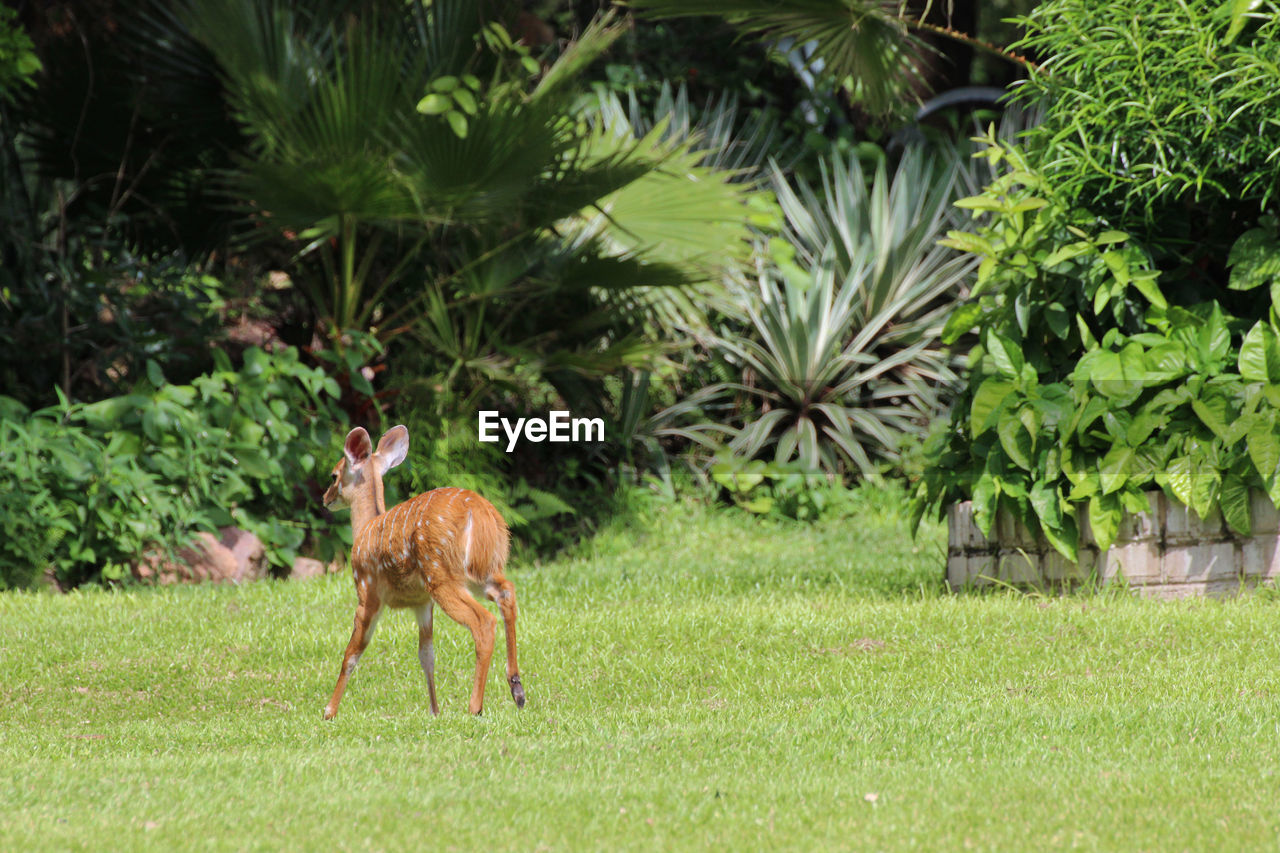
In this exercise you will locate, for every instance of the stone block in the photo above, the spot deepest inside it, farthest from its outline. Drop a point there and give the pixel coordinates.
(249, 551)
(1013, 534)
(1263, 514)
(1203, 562)
(1169, 591)
(1133, 526)
(1057, 569)
(1143, 525)
(962, 533)
(204, 559)
(1167, 552)
(1137, 562)
(1214, 589)
(305, 568)
(1226, 588)
(1183, 527)
(1018, 567)
(1260, 557)
(964, 570)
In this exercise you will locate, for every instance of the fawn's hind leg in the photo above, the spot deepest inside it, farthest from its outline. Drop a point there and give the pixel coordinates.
(456, 601)
(503, 591)
(427, 652)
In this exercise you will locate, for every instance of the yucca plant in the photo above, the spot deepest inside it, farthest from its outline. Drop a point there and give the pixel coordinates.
(840, 357)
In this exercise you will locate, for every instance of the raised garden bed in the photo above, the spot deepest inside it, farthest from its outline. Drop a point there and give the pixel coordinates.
(1166, 552)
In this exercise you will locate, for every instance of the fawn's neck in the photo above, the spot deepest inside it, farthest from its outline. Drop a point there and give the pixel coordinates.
(368, 504)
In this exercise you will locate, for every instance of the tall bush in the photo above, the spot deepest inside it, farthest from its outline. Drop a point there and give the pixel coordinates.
(1124, 322)
(1163, 116)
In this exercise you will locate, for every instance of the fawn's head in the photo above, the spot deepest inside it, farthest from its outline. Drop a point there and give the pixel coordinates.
(360, 465)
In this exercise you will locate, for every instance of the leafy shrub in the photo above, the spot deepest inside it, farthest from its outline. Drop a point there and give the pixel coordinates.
(94, 485)
(772, 488)
(1088, 387)
(795, 492)
(1160, 115)
(1122, 343)
(118, 313)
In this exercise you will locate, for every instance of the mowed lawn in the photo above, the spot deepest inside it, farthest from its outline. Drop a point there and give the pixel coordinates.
(705, 681)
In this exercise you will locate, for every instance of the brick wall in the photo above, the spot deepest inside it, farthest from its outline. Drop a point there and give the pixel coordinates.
(1167, 552)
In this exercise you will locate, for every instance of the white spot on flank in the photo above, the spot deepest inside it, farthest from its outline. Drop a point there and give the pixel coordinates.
(466, 544)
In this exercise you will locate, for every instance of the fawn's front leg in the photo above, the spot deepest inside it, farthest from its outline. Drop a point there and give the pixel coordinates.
(361, 633)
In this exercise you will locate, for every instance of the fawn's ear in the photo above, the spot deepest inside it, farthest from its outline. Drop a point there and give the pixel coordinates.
(358, 448)
(393, 448)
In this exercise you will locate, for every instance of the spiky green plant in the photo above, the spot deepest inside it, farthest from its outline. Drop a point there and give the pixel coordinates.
(840, 357)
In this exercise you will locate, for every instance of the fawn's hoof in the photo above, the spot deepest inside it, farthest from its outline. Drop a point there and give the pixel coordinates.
(517, 690)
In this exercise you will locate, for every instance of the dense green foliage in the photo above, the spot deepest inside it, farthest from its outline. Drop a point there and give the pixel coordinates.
(1065, 424)
(513, 204)
(425, 159)
(1113, 354)
(18, 61)
(93, 486)
(1165, 116)
(113, 315)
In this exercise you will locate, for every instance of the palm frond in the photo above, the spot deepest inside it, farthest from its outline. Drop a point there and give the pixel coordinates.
(867, 41)
(598, 36)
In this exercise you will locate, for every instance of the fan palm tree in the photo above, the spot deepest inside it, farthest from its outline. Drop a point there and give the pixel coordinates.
(416, 149)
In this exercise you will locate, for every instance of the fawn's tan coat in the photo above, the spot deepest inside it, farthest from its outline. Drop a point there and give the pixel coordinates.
(428, 550)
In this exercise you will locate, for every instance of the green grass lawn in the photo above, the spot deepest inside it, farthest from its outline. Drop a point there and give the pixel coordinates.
(708, 681)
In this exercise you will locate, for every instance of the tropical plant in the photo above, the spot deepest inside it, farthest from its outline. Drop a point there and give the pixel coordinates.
(716, 139)
(840, 357)
(1161, 117)
(426, 127)
(1088, 386)
(875, 46)
(868, 41)
(18, 60)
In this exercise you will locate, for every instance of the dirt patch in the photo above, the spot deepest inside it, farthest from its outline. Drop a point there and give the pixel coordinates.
(862, 645)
